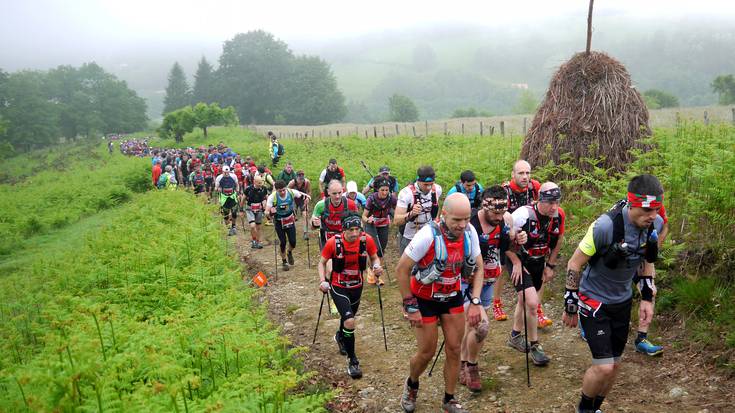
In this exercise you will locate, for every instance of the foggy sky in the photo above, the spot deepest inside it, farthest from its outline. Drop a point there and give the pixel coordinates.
(45, 33)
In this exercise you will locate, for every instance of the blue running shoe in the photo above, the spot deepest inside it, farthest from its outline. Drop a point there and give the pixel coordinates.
(646, 347)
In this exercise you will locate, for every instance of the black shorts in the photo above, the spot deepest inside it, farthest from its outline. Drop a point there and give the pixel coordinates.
(606, 328)
(209, 183)
(535, 276)
(347, 300)
(432, 309)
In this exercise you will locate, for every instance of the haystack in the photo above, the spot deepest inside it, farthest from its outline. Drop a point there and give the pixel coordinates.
(590, 110)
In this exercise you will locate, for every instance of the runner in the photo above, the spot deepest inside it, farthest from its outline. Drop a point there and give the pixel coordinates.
(329, 212)
(156, 172)
(167, 179)
(301, 183)
(274, 149)
(197, 180)
(615, 245)
(384, 172)
(255, 196)
(522, 190)
(468, 185)
(331, 172)
(377, 217)
(417, 204)
(357, 197)
(281, 206)
(428, 275)
(227, 187)
(494, 226)
(348, 252)
(208, 179)
(287, 174)
(543, 223)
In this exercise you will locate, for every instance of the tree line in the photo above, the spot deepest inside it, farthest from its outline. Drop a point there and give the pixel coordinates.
(39, 107)
(264, 81)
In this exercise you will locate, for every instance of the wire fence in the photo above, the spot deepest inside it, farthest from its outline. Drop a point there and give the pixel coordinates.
(510, 126)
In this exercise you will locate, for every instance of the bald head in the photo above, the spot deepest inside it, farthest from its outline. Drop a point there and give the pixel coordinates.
(521, 173)
(547, 185)
(457, 204)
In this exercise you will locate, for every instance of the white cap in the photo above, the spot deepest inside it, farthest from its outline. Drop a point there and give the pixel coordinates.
(351, 187)
(225, 168)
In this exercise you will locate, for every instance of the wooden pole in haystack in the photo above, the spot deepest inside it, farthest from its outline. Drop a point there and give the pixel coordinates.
(591, 111)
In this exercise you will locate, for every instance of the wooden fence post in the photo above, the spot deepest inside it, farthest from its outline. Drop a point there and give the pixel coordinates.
(397, 133)
(357, 131)
(492, 130)
(414, 130)
(338, 133)
(366, 133)
(375, 132)
(502, 128)
(445, 128)
(706, 118)
(462, 128)
(481, 128)
(384, 131)
(426, 125)
(733, 116)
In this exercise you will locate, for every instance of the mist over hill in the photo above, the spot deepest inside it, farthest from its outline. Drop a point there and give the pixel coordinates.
(444, 68)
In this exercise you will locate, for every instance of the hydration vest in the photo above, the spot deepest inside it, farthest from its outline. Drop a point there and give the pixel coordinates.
(198, 179)
(332, 217)
(348, 277)
(417, 200)
(284, 207)
(492, 245)
(615, 253)
(519, 199)
(475, 202)
(439, 279)
(542, 237)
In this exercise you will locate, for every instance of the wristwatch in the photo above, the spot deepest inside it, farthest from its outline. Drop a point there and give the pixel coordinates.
(475, 301)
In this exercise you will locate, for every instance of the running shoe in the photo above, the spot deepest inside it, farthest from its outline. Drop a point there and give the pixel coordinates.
(254, 244)
(233, 231)
(517, 342)
(340, 343)
(538, 357)
(648, 348)
(353, 368)
(498, 312)
(453, 406)
(290, 257)
(463, 373)
(408, 398)
(473, 378)
(284, 266)
(258, 245)
(543, 321)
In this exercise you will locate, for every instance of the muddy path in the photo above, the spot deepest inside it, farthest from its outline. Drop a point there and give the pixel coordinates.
(682, 380)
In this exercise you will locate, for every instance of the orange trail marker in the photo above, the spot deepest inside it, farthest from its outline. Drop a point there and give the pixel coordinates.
(260, 279)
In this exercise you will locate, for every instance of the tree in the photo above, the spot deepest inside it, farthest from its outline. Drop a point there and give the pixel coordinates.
(203, 83)
(178, 94)
(177, 123)
(211, 115)
(251, 74)
(470, 113)
(402, 109)
(31, 115)
(527, 103)
(724, 86)
(313, 94)
(659, 99)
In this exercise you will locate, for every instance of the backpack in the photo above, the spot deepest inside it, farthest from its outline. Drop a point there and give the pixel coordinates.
(338, 261)
(475, 203)
(281, 150)
(416, 200)
(433, 271)
(612, 255)
(199, 179)
(227, 184)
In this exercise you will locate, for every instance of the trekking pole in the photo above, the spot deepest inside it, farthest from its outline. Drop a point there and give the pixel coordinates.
(367, 169)
(377, 238)
(437, 356)
(382, 321)
(525, 332)
(319, 317)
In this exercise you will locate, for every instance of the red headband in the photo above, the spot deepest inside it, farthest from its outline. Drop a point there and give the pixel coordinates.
(645, 201)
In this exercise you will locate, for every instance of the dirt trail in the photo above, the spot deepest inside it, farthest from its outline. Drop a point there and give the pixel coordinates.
(681, 380)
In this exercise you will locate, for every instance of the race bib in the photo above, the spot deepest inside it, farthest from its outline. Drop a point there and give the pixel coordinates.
(256, 207)
(288, 221)
(381, 222)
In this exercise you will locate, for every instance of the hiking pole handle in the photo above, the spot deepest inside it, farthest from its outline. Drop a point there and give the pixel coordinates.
(437, 356)
(318, 318)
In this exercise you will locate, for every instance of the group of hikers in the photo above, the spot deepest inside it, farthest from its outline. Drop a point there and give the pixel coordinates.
(452, 256)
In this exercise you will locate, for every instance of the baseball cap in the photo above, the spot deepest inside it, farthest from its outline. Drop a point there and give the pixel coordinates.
(225, 168)
(333, 161)
(384, 169)
(300, 172)
(351, 187)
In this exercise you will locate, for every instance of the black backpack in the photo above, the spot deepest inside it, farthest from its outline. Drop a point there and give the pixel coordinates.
(281, 150)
